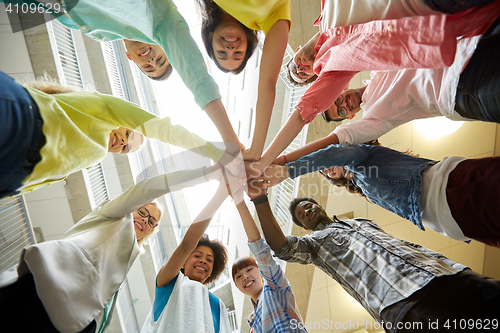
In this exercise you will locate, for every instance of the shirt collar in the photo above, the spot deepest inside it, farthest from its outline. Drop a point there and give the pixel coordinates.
(323, 225)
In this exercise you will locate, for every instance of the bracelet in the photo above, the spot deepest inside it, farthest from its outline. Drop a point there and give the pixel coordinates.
(284, 157)
(260, 200)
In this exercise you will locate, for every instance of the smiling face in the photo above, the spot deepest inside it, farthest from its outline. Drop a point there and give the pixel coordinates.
(199, 265)
(229, 42)
(310, 214)
(303, 62)
(346, 105)
(123, 140)
(144, 219)
(249, 281)
(150, 58)
(301, 67)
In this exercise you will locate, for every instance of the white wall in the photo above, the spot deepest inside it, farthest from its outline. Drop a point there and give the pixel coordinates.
(49, 209)
(14, 57)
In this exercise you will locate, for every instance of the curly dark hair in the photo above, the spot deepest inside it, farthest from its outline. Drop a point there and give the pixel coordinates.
(295, 83)
(220, 257)
(241, 263)
(210, 19)
(293, 205)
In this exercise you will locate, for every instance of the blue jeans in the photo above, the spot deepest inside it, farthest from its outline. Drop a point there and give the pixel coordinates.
(455, 6)
(478, 90)
(21, 136)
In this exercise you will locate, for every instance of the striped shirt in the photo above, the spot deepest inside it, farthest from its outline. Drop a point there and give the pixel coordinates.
(375, 268)
(275, 310)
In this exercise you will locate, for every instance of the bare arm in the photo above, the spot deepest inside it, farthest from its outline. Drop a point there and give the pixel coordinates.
(216, 111)
(273, 175)
(308, 148)
(272, 231)
(286, 135)
(253, 233)
(188, 244)
(272, 58)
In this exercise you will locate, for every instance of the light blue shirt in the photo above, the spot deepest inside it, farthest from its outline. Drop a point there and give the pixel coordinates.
(148, 21)
(275, 311)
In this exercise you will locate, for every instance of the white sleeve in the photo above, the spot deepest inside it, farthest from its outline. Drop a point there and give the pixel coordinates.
(363, 130)
(150, 189)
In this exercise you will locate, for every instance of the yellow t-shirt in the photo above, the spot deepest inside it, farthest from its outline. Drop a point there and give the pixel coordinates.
(257, 14)
(76, 126)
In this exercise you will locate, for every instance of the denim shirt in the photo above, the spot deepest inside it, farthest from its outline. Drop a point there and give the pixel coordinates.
(388, 178)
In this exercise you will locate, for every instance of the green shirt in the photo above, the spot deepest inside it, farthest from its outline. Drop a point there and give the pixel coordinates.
(152, 22)
(76, 126)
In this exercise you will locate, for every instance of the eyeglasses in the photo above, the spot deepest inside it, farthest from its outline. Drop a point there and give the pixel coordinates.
(341, 111)
(299, 77)
(143, 212)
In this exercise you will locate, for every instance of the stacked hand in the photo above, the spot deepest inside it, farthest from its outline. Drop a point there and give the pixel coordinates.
(234, 186)
(251, 155)
(255, 188)
(234, 175)
(273, 175)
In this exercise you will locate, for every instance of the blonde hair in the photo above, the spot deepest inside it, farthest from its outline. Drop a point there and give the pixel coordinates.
(144, 239)
(50, 85)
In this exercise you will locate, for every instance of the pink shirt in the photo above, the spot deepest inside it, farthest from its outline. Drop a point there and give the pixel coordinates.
(413, 42)
(395, 97)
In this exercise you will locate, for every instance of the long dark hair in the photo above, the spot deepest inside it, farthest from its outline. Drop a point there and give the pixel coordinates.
(211, 15)
(347, 183)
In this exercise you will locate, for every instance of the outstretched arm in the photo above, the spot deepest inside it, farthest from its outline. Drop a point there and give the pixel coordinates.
(188, 244)
(317, 98)
(216, 111)
(286, 135)
(149, 189)
(272, 58)
(272, 231)
(253, 233)
(308, 149)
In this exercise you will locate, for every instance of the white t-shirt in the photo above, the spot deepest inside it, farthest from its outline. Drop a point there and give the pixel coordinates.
(187, 310)
(395, 97)
(434, 209)
(338, 13)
